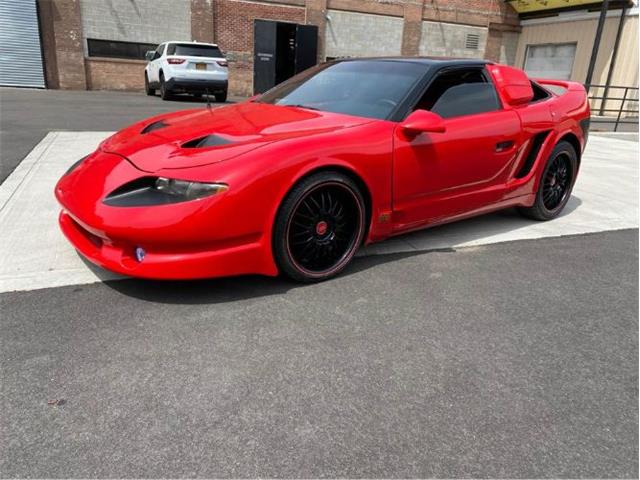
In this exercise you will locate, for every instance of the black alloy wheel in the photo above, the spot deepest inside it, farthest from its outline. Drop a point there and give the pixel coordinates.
(556, 183)
(319, 227)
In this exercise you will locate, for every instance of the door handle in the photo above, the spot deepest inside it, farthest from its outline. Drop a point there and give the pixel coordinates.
(502, 146)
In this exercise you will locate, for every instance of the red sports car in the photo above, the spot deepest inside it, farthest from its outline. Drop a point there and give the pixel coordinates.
(346, 153)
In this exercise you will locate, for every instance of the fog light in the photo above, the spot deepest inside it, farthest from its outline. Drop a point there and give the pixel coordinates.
(140, 253)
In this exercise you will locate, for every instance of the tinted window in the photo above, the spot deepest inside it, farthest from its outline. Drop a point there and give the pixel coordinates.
(365, 88)
(111, 49)
(460, 92)
(194, 50)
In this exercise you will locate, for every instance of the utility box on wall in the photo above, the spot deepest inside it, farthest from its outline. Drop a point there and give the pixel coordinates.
(280, 50)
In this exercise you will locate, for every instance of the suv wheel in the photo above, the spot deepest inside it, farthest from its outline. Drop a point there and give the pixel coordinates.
(165, 94)
(148, 90)
(221, 97)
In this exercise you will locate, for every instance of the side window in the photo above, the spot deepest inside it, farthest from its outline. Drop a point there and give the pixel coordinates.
(171, 49)
(159, 51)
(464, 91)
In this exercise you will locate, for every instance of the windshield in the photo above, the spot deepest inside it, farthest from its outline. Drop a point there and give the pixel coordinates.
(194, 50)
(367, 88)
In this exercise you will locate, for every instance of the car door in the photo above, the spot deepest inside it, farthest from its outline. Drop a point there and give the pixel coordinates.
(437, 175)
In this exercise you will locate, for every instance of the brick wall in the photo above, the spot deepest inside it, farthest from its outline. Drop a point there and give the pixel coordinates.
(62, 43)
(233, 27)
(115, 74)
(389, 27)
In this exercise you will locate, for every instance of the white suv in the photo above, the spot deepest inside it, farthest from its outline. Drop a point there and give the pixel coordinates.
(191, 67)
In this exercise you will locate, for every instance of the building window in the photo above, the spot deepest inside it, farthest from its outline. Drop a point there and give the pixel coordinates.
(113, 49)
(550, 60)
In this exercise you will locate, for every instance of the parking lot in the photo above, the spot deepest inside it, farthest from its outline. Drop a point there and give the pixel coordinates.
(493, 347)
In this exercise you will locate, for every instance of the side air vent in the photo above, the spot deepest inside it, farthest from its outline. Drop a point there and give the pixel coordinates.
(207, 141)
(534, 151)
(153, 126)
(472, 41)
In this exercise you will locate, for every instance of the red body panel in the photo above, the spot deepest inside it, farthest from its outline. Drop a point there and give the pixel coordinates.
(411, 181)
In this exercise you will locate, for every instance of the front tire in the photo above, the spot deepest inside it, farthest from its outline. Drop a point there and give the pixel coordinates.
(319, 227)
(556, 184)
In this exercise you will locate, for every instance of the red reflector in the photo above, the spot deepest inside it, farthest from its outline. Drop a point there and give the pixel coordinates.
(222, 63)
(175, 61)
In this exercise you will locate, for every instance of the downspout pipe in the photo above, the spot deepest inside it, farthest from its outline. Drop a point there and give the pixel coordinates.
(612, 65)
(596, 43)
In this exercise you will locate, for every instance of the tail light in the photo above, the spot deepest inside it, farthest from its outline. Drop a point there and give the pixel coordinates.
(175, 61)
(222, 63)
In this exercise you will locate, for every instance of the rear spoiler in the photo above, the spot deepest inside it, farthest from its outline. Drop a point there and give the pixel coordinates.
(565, 84)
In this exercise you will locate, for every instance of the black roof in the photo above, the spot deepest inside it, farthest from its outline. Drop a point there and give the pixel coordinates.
(428, 61)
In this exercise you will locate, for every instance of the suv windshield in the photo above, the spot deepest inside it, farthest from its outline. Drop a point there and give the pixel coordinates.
(194, 50)
(364, 88)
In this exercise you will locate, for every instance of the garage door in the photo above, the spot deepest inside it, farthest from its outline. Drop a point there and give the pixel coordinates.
(20, 54)
(550, 61)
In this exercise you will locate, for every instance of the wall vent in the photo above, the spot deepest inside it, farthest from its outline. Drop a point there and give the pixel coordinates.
(472, 41)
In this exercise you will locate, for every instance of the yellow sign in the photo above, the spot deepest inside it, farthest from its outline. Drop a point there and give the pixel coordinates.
(526, 6)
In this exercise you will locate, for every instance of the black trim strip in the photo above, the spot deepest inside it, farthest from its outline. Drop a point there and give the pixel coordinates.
(534, 151)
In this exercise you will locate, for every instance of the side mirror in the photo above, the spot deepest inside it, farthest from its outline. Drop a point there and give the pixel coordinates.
(421, 121)
(149, 55)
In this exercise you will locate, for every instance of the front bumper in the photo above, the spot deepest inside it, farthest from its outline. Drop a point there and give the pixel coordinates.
(196, 239)
(177, 84)
(234, 258)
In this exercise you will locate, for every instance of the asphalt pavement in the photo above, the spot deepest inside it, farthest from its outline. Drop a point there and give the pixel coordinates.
(28, 114)
(516, 359)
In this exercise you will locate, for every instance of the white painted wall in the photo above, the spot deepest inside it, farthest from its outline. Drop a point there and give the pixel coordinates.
(350, 34)
(448, 40)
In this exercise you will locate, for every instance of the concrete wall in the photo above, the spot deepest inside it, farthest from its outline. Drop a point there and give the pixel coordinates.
(350, 34)
(144, 21)
(448, 40)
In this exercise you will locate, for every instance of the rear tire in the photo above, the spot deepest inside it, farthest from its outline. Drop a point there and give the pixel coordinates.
(556, 184)
(147, 89)
(165, 94)
(221, 97)
(319, 227)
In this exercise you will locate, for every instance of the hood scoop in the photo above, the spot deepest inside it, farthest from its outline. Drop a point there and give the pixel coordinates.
(153, 126)
(206, 141)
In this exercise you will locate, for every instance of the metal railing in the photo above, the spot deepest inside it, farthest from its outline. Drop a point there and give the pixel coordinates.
(600, 99)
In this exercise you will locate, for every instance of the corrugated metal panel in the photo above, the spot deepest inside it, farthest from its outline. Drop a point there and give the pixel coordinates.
(20, 53)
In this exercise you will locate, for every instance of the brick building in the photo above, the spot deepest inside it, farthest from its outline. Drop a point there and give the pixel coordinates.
(100, 44)
(96, 44)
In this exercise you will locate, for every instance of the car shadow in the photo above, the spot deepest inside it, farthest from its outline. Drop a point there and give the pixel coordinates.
(222, 290)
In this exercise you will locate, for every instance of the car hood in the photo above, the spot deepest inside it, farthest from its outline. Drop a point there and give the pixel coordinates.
(199, 137)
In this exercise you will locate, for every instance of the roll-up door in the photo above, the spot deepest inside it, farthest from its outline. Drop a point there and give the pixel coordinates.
(20, 53)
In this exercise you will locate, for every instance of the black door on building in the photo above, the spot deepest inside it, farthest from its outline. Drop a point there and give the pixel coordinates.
(281, 50)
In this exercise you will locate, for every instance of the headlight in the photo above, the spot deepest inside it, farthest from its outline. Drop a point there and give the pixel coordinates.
(161, 191)
(188, 190)
(75, 165)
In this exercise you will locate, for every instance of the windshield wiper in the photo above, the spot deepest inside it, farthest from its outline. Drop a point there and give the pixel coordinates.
(299, 105)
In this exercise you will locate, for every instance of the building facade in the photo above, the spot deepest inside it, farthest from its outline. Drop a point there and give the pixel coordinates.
(97, 44)
(100, 44)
